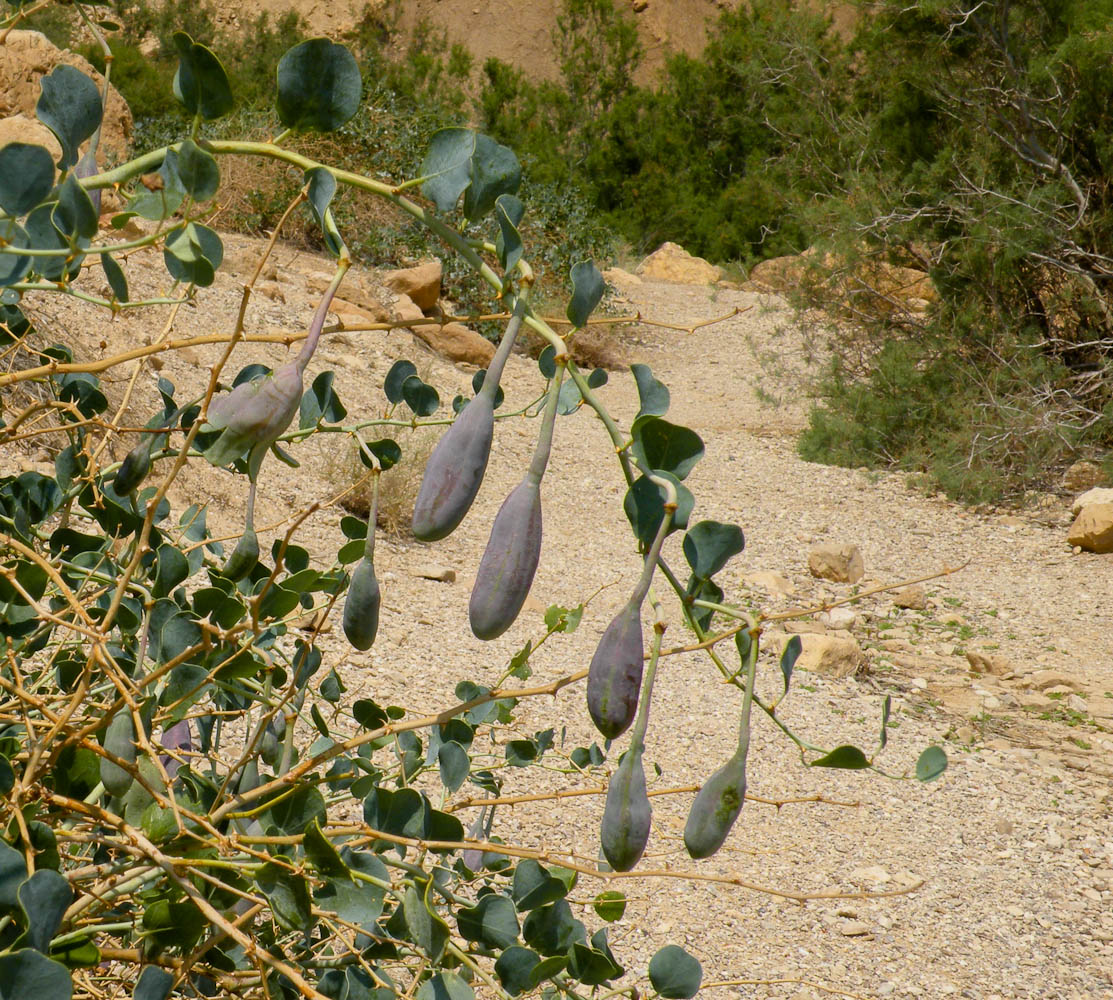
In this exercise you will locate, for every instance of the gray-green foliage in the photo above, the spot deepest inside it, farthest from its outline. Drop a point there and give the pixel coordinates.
(198, 801)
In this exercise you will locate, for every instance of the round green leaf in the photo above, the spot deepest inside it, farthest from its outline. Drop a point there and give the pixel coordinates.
(587, 290)
(515, 968)
(674, 973)
(70, 106)
(198, 171)
(13, 267)
(492, 921)
(318, 86)
(200, 82)
(461, 161)
(610, 906)
(193, 254)
(399, 372)
(44, 898)
(509, 211)
(644, 505)
(931, 764)
(26, 177)
(666, 447)
(420, 397)
(454, 764)
(709, 544)
(654, 395)
(534, 886)
(27, 973)
(846, 758)
(153, 984)
(445, 986)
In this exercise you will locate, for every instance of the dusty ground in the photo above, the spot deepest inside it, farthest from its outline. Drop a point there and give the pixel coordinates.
(1012, 850)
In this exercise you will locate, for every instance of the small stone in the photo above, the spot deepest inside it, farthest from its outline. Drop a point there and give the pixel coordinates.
(984, 663)
(1076, 703)
(431, 571)
(1004, 826)
(1043, 680)
(855, 928)
(836, 654)
(920, 683)
(841, 563)
(874, 875)
(914, 598)
(843, 618)
(1053, 840)
(773, 582)
(966, 734)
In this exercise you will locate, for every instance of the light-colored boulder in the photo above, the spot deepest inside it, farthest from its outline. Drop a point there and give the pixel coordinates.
(406, 310)
(835, 654)
(359, 313)
(421, 283)
(457, 342)
(1091, 497)
(20, 128)
(842, 618)
(914, 598)
(1093, 528)
(984, 663)
(1048, 680)
(841, 563)
(1083, 476)
(779, 274)
(27, 56)
(670, 262)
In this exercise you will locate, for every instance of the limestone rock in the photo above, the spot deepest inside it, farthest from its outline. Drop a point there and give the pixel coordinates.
(1083, 476)
(836, 654)
(773, 582)
(27, 56)
(779, 274)
(457, 343)
(422, 283)
(1089, 498)
(842, 618)
(1044, 680)
(360, 313)
(433, 571)
(670, 262)
(621, 279)
(841, 563)
(983, 663)
(914, 598)
(1093, 528)
(406, 310)
(20, 128)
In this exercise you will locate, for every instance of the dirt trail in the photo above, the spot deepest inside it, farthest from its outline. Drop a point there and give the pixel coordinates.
(1013, 846)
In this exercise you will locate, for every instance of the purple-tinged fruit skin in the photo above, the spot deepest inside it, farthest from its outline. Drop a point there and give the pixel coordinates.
(716, 807)
(615, 675)
(454, 472)
(253, 412)
(509, 563)
(361, 606)
(627, 815)
(177, 737)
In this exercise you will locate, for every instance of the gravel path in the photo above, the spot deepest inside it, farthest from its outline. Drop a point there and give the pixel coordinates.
(1011, 852)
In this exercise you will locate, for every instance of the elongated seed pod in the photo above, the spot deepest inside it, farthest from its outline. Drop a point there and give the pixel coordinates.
(716, 807)
(176, 737)
(615, 675)
(626, 816)
(119, 739)
(134, 468)
(361, 606)
(509, 563)
(244, 556)
(454, 472)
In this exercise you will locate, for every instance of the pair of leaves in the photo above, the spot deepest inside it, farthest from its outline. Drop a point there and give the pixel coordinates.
(462, 161)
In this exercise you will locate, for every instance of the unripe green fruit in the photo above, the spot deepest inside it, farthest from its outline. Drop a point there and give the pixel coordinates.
(454, 472)
(244, 556)
(716, 807)
(626, 816)
(361, 606)
(615, 675)
(134, 468)
(119, 739)
(509, 563)
(270, 749)
(249, 777)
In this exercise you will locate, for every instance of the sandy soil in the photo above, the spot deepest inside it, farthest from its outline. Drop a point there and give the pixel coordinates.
(1010, 853)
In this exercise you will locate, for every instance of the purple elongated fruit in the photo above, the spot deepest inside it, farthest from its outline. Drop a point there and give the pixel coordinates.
(361, 606)
(626, 815)
(509, 563)
(716, 807)
(615, 675)
(456, 467)
(176, 737)
(454, 471)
